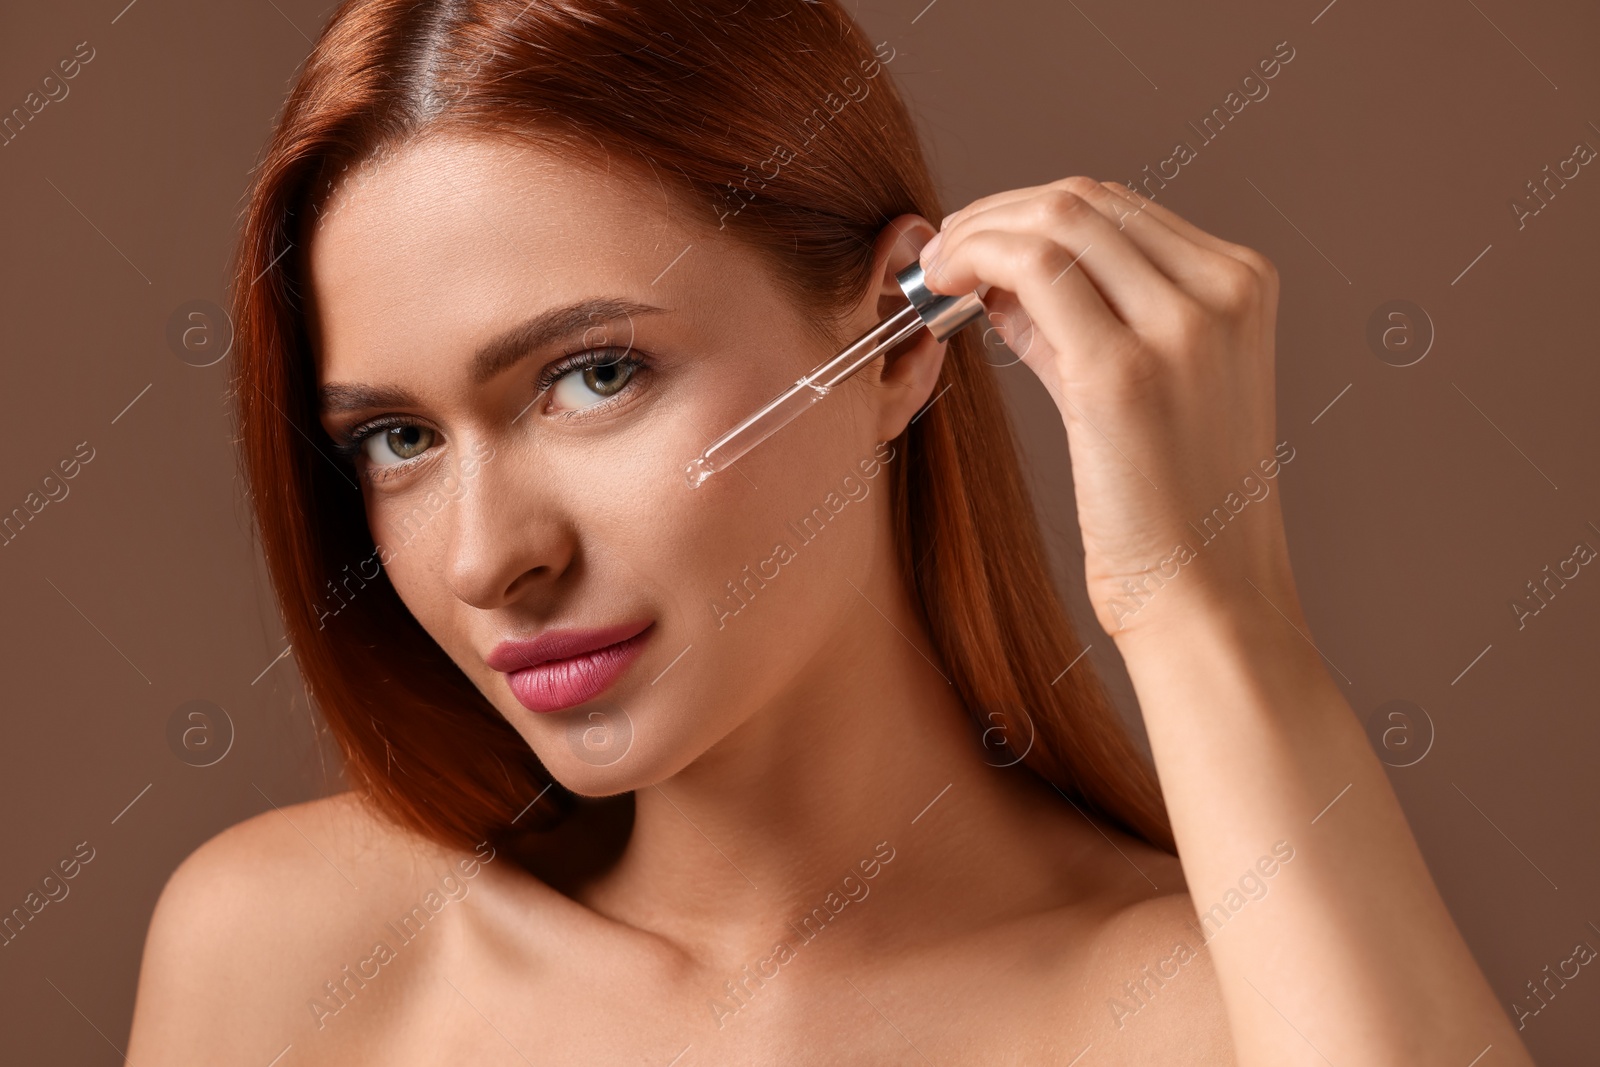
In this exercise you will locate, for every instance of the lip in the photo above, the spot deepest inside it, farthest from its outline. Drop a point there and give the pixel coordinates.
(563, 668)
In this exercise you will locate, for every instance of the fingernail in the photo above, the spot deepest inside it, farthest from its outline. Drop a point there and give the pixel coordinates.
(929, 251)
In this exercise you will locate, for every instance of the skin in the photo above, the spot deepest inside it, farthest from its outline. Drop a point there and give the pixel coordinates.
(755, 760)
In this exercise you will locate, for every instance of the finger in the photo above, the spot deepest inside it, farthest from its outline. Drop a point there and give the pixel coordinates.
(1208, 275)
(992, 200)
(1179, 225)
(1008, 331)
(1131, 285)
(1083, 186)
(1063, 304)
(1163, 246)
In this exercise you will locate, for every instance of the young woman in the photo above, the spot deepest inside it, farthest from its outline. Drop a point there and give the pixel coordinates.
(802, 765)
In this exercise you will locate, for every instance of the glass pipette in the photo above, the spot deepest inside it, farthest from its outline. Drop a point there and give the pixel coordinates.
(942, 315)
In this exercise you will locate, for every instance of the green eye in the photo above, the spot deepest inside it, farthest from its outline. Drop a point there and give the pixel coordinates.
(402, 443)
(586, 386)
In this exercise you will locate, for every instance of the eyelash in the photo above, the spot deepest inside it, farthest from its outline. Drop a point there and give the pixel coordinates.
(351, 443)
(589, 357)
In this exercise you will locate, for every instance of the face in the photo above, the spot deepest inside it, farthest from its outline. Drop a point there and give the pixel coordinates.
(523, 354)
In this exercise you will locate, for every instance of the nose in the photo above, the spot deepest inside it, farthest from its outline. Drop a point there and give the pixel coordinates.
(506, 534)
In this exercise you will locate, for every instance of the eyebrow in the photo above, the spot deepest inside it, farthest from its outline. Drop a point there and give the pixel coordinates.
(497, 354)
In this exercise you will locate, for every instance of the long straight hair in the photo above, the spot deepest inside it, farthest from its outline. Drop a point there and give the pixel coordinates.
(777, 122)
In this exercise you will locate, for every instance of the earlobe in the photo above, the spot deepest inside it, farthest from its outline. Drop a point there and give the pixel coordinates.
(910, 375)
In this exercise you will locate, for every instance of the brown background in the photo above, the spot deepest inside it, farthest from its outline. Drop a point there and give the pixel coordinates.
(1419, 504)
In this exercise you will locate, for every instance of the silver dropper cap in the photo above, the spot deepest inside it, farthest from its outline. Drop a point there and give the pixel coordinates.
(943, 315)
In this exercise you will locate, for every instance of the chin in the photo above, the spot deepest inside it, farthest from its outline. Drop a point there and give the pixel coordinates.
(596, 750)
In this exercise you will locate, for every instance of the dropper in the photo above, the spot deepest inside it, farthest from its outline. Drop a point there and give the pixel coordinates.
(942, 315)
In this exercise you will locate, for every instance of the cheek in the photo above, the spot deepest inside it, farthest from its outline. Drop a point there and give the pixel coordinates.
(763, 559)
(629, 501)
(749, 576)
(408, 535)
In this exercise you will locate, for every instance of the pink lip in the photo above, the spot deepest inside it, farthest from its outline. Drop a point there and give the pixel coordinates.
(563, 668)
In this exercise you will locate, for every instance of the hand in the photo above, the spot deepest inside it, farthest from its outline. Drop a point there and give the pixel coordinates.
(1155, 339)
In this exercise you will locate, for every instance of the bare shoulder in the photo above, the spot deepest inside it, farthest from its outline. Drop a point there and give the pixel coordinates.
(1110, 954)
(1148, 973)
(271, 928)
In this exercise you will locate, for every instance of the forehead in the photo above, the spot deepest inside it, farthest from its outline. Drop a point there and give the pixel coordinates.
(455, 234)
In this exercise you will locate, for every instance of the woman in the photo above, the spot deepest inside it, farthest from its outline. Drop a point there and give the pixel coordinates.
(802, 765)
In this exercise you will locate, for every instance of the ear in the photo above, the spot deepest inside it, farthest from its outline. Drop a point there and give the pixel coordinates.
(907, 373)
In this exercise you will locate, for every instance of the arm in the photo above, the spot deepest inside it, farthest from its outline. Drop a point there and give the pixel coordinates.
(1350, 957)
(1330, 942)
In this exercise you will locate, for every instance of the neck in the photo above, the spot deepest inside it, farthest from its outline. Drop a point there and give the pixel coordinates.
(869, 754)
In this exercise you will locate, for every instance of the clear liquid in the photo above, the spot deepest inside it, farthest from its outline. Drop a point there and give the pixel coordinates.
(757, 428)
(698, 471)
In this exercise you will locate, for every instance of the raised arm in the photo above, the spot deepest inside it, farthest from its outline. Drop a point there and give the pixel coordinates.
(1155, 339)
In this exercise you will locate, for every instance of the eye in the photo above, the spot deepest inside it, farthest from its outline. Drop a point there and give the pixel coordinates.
(592, 378)
(397, 444)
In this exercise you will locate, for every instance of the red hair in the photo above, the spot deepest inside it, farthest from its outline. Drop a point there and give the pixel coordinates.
(705, 101)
